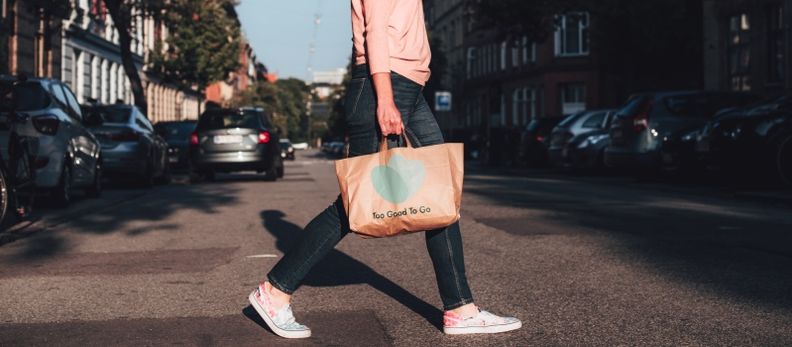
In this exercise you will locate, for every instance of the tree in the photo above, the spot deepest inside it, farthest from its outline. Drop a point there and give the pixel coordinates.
(286, 102)
(204, 43)
(122, 12)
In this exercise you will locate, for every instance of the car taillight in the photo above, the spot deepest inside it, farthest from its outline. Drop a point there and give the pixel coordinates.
(47, 124)
(194, 139)
(540, 138)
(264, 137)
(641, 118)
(126, 136)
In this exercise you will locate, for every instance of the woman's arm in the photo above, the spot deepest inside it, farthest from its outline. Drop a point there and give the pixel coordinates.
(388, 116)
(376, 14)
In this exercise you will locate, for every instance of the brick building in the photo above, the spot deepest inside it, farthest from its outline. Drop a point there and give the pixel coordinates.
(746, 45)
(30, 40)
(500, 83)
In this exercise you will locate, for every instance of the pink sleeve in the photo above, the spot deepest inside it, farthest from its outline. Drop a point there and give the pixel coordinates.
(376, 14)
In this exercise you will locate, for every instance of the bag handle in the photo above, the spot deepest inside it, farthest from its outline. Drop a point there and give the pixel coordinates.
(384, 142)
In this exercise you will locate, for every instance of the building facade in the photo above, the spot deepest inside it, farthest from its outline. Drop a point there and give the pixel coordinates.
(249, 72)
(91, 63)
(30, 40)
(746, 45)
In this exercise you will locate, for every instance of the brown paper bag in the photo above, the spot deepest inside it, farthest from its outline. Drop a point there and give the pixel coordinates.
(402, 190)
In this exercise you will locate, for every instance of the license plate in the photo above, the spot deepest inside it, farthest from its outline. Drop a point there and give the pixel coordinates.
(173, 159)
(226, 139)
(565, 152)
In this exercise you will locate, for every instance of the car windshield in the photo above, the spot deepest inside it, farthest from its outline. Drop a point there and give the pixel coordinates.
(230, 119)
(570, 119)
(632, 107)
(110, 114)
(27, 96)
(172, 131)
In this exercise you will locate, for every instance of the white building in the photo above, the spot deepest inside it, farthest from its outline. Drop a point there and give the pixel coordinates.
(91, 63)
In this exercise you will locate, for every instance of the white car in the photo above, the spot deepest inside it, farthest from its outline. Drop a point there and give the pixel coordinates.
(68, 155)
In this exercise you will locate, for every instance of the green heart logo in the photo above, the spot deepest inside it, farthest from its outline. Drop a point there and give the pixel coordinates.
(399, 180)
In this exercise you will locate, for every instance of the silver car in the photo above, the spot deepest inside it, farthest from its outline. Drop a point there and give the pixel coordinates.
(68, 155)
(130, 147)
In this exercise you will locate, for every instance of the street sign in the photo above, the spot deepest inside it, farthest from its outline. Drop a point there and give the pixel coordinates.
(442, 101)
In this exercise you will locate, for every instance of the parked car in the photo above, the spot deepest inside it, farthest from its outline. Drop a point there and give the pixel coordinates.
(177, 135)
(586, 150)
(229, 140)
(751, 139)
(534, 140)
(574, 127)
(68, 155)
(287, 150)
(650, 130)
(130, 146)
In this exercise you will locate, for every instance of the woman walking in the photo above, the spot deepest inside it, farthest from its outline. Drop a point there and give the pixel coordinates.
(383, 98)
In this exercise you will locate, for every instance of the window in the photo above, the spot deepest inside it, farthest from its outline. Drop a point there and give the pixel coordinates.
(739, 52)
(571, 35)
(595, 121)
(573, 98)
(529, 51)
(472, 57)
(73, 104)
(57, 92)
(515, 56)
(517, 105)
(503, 55)
(775, 44)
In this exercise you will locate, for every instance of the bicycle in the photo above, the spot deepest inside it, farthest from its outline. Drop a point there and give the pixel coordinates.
(17, 174)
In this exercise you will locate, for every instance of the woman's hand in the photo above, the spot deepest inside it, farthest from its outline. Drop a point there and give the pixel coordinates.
(389, 118)
(388, 115)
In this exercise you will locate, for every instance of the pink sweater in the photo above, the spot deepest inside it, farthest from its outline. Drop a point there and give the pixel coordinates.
(390, 35)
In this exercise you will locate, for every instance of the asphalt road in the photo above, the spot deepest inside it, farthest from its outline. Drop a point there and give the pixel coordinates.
(582, 261)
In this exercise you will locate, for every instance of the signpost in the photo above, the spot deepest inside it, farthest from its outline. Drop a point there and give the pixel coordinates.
(442, 101)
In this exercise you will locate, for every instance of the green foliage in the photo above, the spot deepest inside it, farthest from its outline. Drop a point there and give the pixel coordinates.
(286, 102)
(204, 43)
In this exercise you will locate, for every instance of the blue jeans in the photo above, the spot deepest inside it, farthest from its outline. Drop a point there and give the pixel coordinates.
(324, 232)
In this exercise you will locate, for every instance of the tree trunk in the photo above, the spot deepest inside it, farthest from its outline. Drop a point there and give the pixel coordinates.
(122, 17)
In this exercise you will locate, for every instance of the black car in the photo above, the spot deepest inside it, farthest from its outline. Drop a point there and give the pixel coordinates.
(534, 140)
(586, 150)
(230, 140)
(573, 128)
(749, 140)
(177, 135)
(651, 130)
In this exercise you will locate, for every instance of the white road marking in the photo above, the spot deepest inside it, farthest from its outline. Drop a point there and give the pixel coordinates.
(263, 256)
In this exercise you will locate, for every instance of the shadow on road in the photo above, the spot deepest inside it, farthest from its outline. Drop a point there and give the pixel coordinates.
(736, 250)
(118, 211)
(338, 268)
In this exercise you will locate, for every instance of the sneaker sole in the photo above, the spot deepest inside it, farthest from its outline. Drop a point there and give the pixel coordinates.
(492, 329)
(278, 331)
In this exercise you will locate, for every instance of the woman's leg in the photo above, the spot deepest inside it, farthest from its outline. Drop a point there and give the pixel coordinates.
(327, 229)
(445, 244)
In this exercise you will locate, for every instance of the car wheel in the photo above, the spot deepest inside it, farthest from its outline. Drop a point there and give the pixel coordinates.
(62, 193)
(147, 180)
(95, 189)
(4, 199)
(166, 177)
(281, 168)
(271, 174)
(784, 159)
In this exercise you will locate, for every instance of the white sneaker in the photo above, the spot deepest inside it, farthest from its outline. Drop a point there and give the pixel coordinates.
(280, 320)
(482, 323)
